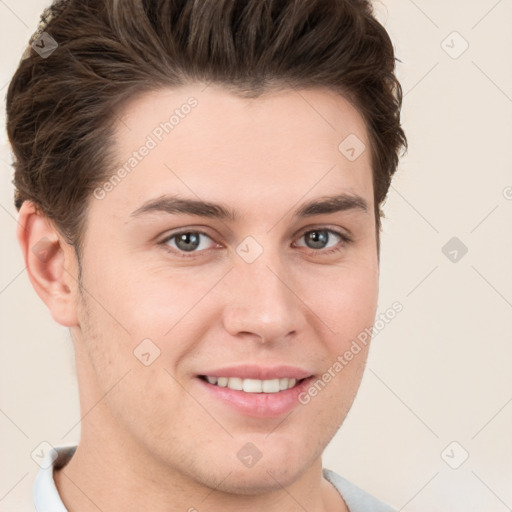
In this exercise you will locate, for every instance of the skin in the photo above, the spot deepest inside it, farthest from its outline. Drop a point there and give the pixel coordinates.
(151, 437)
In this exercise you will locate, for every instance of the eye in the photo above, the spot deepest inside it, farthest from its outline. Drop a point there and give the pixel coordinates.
(186, 242)
(319, 240)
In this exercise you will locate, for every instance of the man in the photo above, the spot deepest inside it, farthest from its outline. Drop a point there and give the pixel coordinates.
(199, 188)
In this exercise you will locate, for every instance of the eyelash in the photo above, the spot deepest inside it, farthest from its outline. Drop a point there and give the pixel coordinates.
(345, 240)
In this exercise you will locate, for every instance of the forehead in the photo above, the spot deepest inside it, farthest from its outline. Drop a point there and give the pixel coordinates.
(205, 142)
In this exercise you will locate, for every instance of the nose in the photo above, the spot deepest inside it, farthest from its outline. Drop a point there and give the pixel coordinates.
(261, 302)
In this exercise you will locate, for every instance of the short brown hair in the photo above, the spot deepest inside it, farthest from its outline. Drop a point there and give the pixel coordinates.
(61, 110)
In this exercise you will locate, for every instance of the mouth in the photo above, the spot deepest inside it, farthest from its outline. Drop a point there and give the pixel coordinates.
(256, 391)
(253, 385)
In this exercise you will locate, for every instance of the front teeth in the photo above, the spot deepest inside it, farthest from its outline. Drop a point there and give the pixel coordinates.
(253, 385)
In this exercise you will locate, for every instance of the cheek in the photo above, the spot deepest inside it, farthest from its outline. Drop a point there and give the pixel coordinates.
(128, 300)
(346, 301)
(330, 396)
(152, 298)
(125, 366)
(347, 304)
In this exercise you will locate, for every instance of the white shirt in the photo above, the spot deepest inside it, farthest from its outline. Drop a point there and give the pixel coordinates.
(47, 499)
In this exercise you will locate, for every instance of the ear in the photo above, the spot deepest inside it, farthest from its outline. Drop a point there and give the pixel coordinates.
(51, 264)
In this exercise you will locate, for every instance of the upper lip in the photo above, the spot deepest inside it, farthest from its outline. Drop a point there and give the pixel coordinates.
(251, 371)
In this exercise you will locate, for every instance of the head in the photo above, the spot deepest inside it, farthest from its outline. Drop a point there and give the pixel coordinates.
(281, 121)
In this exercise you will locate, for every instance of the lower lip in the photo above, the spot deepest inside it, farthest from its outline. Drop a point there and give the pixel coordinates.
(258, 405)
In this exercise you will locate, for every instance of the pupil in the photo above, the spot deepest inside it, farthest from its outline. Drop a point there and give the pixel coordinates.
(318, 238)
(191, 241)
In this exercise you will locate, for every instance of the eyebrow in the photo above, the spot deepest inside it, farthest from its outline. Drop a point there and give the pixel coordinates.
(177, 205)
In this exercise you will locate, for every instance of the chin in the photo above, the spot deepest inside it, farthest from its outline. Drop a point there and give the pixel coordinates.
(269, 477)
(264, 465)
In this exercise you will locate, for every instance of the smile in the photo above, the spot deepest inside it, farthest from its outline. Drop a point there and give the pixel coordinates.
(253, 385)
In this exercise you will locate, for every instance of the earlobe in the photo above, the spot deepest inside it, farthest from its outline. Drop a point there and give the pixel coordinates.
(50, 262)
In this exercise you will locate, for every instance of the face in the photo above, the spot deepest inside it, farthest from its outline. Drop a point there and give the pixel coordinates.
(221, 284)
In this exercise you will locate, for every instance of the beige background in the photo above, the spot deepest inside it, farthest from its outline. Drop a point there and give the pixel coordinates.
(441, 371)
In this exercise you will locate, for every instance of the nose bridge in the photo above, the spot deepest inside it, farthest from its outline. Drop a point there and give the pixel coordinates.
(261, 298)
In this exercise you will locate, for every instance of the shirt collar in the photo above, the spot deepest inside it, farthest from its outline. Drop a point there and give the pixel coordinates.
(46, 495)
